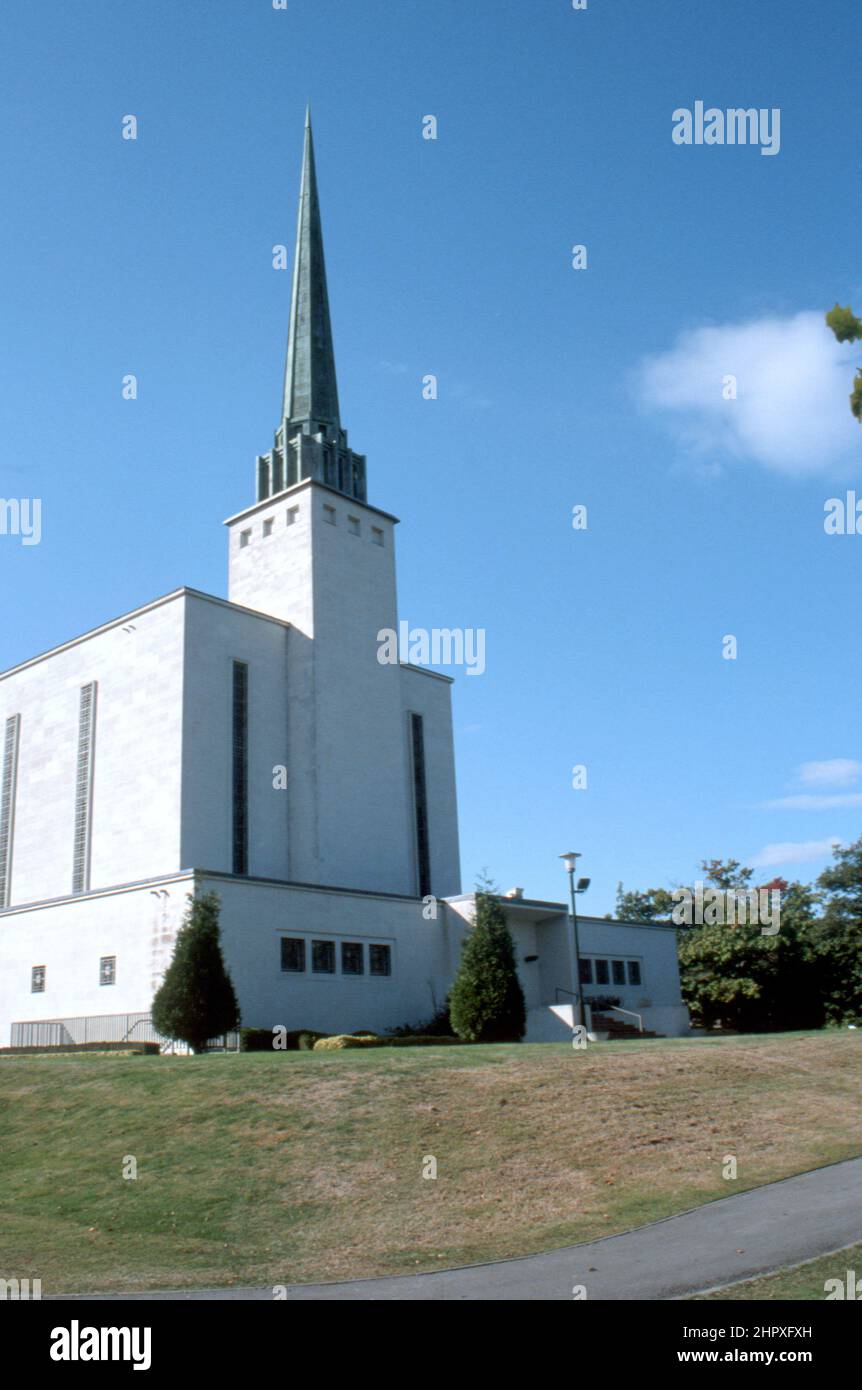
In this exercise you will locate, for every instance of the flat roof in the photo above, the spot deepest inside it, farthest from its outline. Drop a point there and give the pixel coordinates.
(184, 592)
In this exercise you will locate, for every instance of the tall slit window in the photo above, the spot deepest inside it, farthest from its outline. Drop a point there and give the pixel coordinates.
(420, 801)
(8, 785)
(84, 789)
(240, 767)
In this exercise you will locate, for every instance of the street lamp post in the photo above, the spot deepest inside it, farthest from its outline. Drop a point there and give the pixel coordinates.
(570, 861)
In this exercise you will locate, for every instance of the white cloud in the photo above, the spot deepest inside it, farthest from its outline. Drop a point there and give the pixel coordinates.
(792, 852)
(792, 412)
(806, 801)
(833, 772)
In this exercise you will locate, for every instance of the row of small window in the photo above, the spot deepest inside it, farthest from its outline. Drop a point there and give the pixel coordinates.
(294, 956)
(107, 974)
(354, 525)
(607, 972)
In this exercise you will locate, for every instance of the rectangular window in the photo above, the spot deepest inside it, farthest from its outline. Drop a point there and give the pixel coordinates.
(323, 957)
(240, 767)
(602, 972)
(352, 959)
(84, 789)
(329, 514)
(420, 803)
(37, 979)
(292, 514)
(618, 969)
(8, 787)
(353, 525)
(586, 971)
(293, 954)
(244, 539)
(267, 526)
(377, 535)
(380, 960)
(634, 972)
(108, 970)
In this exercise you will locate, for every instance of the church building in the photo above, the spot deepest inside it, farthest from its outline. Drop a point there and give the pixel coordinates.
(257, 747)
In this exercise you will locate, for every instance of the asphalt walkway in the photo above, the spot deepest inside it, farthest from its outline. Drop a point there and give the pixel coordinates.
(737, 1237)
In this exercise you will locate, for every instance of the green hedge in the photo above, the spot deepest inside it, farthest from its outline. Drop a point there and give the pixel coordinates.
(344, 1040)
(262, 1039)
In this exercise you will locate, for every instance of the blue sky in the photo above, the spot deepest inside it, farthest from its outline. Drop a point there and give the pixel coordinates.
(556, 387)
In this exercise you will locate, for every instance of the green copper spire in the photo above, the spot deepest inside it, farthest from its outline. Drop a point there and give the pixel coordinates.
(310, 442)
(310, 389)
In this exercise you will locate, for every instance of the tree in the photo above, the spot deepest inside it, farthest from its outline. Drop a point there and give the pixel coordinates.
(196, 999)
(847, 329)
(839, 936)
(652, 904)
(486, 1003)
(727, 874)
(735, 977)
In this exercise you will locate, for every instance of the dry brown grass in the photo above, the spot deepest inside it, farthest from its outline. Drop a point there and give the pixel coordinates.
(271, 1169)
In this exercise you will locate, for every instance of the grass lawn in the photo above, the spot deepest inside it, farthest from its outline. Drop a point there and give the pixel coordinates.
(805, 1281)
(276, 1168)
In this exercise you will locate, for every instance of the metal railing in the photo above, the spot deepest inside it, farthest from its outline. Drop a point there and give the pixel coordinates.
(615, 1008)
(101, 1028)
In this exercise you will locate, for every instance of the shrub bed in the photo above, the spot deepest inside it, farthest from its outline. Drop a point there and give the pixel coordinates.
(262, 1040)
(343, 1040)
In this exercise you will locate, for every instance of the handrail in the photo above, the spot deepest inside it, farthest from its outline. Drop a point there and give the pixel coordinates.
(631, 1013)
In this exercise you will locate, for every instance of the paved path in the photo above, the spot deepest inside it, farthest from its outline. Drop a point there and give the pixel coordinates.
(733, 1238)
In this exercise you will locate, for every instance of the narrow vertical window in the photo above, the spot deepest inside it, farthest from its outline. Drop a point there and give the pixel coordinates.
(420, 801)
(84, 789)
(8, 786)
(240, 767)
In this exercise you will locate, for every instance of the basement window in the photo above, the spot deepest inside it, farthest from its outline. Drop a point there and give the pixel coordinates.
(352, 958)
(37, 979)
(108, 970)
(380, 960)
(323, 957)
(293, 954)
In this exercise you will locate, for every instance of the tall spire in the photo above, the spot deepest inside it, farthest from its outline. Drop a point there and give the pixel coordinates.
(310, 389)
(310, 442)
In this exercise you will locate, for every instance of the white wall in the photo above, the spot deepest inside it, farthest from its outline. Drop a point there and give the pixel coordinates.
(217, 635)
(351, 791)
(138, 664)
(138, 926)
(255, 916)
